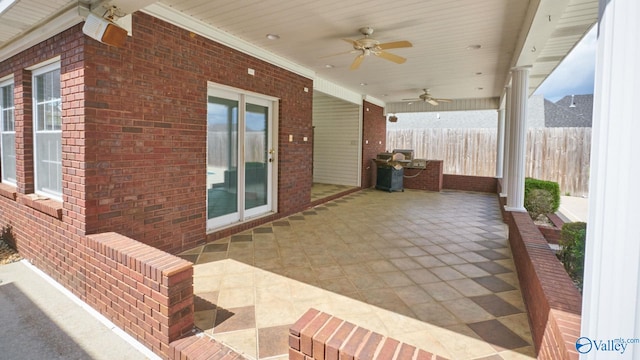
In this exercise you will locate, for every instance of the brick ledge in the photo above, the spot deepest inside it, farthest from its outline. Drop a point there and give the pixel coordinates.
(47, 206)
(8, 191)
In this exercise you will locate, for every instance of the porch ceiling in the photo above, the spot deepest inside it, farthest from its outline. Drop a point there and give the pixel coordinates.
(510, 32)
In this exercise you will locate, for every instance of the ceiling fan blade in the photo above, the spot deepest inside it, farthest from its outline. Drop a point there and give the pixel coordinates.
(357, 61)
(395, 45)
(444, 100)
(418, 99)
(432, 102)
(391, 57)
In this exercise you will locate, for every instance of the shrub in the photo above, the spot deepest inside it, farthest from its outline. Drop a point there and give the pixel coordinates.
(571, 254)
(6, 235)
(551, 186)
(538, 202)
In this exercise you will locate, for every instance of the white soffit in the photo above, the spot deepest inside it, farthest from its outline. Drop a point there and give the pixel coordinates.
(166, 13)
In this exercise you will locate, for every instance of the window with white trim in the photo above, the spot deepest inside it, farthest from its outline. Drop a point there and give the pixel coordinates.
(7, 133)
(47, 131)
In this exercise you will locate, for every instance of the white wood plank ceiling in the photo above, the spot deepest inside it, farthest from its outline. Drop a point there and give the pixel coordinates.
(441, 31)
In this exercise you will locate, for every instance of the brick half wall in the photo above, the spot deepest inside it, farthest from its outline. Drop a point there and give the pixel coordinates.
(470, 183)
(553, 302)
(144, 291)
(321, 336)
(430, 178)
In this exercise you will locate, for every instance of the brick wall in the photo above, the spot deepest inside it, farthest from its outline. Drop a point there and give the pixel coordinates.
(553, 302)
(143, 290)
(431, 178)
(374, 140)
(200, 346)
(470, 183)
(321, 336)
(146, 131)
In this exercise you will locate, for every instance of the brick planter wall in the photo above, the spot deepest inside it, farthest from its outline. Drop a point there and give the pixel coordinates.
(430, 178)
(470, 183)
(553, 302)
(143, 290)
(203, 347)
(320, 336)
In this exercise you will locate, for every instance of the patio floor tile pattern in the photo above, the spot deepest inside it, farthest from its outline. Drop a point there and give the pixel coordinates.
(431, 269)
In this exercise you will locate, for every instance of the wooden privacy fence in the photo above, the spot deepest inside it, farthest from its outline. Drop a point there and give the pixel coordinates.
(556, 154)
(221, 148)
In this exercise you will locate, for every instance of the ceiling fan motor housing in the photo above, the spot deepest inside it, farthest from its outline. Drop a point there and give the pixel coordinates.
(365, 44)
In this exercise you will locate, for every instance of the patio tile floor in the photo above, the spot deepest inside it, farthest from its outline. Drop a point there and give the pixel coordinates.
(430, 269)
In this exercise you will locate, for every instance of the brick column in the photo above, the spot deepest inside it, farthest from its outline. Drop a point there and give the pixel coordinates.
(24, 131)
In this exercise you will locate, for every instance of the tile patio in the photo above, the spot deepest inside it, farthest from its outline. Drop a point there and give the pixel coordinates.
(430, 269)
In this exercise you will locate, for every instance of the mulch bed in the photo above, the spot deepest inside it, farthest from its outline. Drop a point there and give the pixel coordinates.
(8, 254)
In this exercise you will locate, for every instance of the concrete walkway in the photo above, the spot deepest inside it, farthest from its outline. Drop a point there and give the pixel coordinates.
(41, 322)
(574, 208)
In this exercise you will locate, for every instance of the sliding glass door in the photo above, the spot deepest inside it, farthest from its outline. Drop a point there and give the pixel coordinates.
(240, 156)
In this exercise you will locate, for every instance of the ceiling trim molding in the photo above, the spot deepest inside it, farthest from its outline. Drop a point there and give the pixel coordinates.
(168, 14)
(61, 21)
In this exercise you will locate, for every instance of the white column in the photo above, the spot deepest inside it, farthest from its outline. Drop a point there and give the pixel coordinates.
(611, 307)
(517, 138)
(500, 144)
(507, 141)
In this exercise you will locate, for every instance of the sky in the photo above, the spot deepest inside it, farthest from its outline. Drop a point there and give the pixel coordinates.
(574, 75)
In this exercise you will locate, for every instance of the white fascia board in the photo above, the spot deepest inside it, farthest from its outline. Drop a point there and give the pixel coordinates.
(335, 90)
(170, 15)
(65, 19)
(374, 100)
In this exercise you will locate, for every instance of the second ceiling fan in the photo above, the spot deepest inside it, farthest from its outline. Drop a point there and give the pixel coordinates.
(426, 97)
(368, 46)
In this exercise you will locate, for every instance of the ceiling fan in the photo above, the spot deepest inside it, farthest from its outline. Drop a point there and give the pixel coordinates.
(426, 97)
(368, 46)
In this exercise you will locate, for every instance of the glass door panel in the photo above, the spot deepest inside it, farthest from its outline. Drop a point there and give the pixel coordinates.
(222, 160)
(256, 156)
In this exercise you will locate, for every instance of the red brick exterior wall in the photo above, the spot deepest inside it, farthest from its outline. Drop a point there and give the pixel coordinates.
(430, 178)
(134, 129)
(374, 140)
(553, 302)
(321, 336)
(146, 127)
(470, 183)
(134, 163)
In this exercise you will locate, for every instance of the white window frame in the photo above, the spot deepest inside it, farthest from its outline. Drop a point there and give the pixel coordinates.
(35, 72)
(4, 83)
